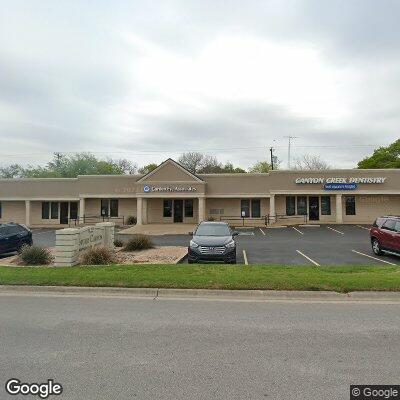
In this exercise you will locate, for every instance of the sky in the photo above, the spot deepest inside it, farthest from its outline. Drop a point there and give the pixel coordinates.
(148, 80)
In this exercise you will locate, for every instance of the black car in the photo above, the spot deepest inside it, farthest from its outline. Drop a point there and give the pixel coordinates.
(13, 237)
(213, 241)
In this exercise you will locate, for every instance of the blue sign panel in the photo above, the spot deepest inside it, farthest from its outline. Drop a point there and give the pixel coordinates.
(340, 186)
(146, 189)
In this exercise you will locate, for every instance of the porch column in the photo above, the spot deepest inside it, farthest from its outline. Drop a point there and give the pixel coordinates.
(81, 209)
(202, 209)
(27, 213)
(272, 207)
(139, 210)
(144, 211)
(339, 209)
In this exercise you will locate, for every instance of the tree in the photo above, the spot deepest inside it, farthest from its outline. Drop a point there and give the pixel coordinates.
(260, 167)
(383, 157)
(147, 168)
(198, 163)
(70, 166)
(191, 161)
(311, 162)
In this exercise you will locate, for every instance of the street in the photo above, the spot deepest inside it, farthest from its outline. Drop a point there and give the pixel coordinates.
(110, 347)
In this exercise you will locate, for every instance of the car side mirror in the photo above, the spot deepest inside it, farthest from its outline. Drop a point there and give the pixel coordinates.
(235, 233)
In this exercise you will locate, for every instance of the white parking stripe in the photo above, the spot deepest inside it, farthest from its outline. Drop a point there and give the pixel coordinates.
(363, 227)
(301, 233)
(308, 258)
(335, 230)
(262, 231)
(374, 258)
(245, 257)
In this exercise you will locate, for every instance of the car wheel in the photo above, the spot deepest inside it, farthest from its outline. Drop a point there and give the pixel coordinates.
(190, 261)
(376, 247)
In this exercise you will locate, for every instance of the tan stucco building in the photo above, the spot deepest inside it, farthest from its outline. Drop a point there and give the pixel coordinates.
(171, 194)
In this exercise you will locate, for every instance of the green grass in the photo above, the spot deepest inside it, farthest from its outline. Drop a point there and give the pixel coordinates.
(340, 279)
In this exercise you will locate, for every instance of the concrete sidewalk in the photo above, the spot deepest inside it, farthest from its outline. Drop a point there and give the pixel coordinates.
(159, 229)
(249, 295)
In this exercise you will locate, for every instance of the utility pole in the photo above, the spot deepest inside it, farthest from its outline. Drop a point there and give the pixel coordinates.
(289, 144)
(271, 149)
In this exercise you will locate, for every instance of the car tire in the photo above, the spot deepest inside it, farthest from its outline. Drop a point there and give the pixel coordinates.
(376, 247)
(190, 261)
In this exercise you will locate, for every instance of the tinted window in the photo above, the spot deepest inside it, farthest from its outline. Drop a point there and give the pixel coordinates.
(73, 210)
(350, 205)
(213, 230)
(245, 208)
(290, 205)
(189, 208)
(301, 205)
(104, 207)
(167, 209)
(325, 205)
(379, 222)
(114, 208)
(255, 209)
(0, 209)
(389, 224)
(10, 230)
(54, 210)
(45, 210)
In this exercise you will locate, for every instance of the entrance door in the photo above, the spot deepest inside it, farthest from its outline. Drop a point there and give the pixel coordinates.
(178, 210)
(313, 208)
(64, 213)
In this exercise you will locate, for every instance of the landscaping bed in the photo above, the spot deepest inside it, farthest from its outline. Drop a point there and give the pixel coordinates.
(210, 276)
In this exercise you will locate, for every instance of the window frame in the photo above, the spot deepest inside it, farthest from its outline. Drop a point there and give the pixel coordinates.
(352, 204)
(305, 205)
(329, 211)
(245, 208)
(257, 201)
(114, 212)
(167, 205)
(186, 208)
(287, 204)
(105, 205)
(54, 210)
(45, 210)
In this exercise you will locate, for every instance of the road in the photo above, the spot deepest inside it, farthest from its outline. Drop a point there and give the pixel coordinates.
(131, 348)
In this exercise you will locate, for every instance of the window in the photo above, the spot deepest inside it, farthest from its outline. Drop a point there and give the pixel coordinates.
(389, 225)
(104, 207)
(301, 205)
(255, 209)
(397, 226)
(114, 208)
(0, 210)
(290, 205)
(54, 210)
(167, 209)
(45, 210)
(73, 210)
(350, 205)
(245, 208)
(325, 205)
(189, 208)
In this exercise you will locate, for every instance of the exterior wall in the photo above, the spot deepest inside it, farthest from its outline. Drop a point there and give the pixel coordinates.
(126, 207)
(155, 213)
(13, 211)
(231, 207)
(36, 216)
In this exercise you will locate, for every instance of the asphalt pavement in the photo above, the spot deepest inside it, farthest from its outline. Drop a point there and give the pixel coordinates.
(128, 348)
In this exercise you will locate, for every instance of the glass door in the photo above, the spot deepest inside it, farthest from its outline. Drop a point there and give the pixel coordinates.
(313, 208)
(178, 210)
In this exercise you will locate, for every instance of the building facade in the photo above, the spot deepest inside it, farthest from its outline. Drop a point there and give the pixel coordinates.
(171, 194)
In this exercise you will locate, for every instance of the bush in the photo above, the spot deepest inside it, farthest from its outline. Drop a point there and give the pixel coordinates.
(34, 255)
(97, 256)
(131, 220)
(118, 243)
(210, 219)
(140, 242)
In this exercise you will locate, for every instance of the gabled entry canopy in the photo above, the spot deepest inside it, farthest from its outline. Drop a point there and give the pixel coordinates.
(169, 171)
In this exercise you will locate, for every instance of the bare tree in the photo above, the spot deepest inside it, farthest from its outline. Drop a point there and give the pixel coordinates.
(311, 162)
(192, 161)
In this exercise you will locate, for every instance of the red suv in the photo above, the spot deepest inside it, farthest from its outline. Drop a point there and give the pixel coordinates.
(385, 235)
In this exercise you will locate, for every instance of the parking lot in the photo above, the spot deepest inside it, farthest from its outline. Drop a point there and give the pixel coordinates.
(293, 245)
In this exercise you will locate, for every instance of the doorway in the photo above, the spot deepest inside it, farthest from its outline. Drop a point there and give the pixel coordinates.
(313, 208)
(64, 213)
(178, 210)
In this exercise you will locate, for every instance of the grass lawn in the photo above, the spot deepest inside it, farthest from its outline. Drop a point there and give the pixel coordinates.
(211, 276)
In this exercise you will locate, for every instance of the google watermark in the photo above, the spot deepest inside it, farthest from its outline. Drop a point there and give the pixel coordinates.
(44, 390)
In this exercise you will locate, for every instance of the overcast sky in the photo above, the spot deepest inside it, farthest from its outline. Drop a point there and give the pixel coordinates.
(146, 80)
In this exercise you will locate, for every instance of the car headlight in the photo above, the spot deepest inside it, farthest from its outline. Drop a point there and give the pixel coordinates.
(193, 244)
(230, 245)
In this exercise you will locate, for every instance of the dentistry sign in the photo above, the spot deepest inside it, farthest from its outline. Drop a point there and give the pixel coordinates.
(339, 183)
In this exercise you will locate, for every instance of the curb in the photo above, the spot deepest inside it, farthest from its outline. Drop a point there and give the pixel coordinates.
(266, 295)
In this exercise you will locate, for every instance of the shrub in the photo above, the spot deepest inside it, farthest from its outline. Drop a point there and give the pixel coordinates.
(97, 256)
(118, 243)
(34, 255)
(210, 219)
(140, 242)
(131, 220)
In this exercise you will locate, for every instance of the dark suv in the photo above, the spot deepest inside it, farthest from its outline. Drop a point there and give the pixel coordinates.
(385, 235)
(13, 237)
(213, 241)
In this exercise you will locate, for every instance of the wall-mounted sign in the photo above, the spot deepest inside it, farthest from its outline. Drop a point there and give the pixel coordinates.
(340, 186)
(148, 189)
(312, 180)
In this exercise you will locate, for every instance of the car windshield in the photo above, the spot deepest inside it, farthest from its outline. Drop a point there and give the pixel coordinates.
(5, 231)
(213, 230)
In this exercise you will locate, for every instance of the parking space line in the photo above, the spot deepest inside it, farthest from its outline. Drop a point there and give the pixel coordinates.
(308, 258)
(363, 227)
(374, 258)
(245, 257)
(262, 231)
(335, 230)
(301, 233)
